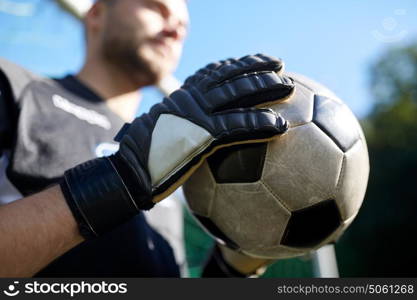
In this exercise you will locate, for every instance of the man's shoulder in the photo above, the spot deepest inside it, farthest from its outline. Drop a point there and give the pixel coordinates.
(11, 69)
(15, 77)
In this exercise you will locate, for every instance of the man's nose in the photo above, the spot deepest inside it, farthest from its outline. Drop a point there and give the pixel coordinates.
(175, 27)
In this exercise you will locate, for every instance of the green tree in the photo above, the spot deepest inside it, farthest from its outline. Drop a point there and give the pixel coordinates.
(381, 241)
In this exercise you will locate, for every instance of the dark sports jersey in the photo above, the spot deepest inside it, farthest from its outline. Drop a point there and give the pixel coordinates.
(48, 126)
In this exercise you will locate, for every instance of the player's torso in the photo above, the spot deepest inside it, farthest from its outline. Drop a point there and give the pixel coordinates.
(57, 130)
(60, 125)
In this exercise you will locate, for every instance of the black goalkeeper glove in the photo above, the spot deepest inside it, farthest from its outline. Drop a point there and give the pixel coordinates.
(160, 149)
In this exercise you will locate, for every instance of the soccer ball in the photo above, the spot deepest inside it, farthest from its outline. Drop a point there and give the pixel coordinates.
(292, 195)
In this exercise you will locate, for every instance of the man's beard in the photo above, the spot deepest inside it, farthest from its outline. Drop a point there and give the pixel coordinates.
(123, 54)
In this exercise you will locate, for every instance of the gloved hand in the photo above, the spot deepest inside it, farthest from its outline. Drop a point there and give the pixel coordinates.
(246, 265)
(226, 262)
(160, 149)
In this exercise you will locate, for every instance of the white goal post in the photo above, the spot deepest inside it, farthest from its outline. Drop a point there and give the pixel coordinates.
(76, 7)
(325, 262)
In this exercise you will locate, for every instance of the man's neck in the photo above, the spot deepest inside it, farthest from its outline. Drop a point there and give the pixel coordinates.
(120, 92)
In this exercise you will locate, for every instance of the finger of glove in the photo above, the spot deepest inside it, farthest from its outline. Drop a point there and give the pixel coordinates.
(248, 125)
(213, 75)
(226, 68)
(219, 72)
(248, 90)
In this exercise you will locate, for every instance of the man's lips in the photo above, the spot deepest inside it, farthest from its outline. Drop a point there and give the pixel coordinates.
(162, 46)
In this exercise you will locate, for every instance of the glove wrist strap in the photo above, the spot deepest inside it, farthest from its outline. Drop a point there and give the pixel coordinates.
(97, 197)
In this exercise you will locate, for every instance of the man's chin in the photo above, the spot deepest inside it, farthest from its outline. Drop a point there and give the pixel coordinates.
(153, 75)
(160, 60)
(158, 71)
(149, 67)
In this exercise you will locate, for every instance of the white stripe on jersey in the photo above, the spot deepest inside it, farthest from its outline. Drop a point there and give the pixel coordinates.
(81, 113)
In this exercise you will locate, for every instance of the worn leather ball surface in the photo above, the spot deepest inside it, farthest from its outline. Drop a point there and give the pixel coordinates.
(294, 194)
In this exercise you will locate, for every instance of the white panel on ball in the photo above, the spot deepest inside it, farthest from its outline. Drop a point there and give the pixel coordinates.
(302, 167)
(353, 181)
(299, 109)
(249, 215)
(275, 252)
(315, 87)
(199, 195)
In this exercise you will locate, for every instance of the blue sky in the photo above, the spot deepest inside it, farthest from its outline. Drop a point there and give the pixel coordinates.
(333, 42)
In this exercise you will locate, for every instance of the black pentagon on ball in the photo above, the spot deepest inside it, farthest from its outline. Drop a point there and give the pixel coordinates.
(309, 226)
(336, 120)
(238, 164)
(216, 232)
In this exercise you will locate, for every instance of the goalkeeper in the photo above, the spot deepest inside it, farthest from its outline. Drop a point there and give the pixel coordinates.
(65, 212)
